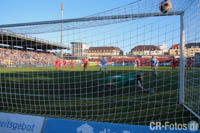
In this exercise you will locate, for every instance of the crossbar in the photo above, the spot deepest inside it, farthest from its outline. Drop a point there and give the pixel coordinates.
(127, 16)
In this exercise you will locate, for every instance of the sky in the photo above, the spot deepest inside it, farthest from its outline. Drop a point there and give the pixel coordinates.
(126, 36)
(20, 11)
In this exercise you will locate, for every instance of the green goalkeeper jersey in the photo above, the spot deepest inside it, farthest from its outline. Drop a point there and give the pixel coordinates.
(122, 80)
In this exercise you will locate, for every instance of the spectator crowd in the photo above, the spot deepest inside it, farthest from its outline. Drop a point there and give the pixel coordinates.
(21, 57)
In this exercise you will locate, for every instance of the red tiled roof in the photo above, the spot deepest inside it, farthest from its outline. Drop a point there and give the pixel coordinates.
(145, 47)
(104, 48)
(175, 46)
(189, 45)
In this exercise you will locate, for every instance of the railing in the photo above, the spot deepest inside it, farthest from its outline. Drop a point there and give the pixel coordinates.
(7, 32)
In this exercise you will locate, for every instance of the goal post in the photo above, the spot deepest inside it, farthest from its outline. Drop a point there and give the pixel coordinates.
(182, 60)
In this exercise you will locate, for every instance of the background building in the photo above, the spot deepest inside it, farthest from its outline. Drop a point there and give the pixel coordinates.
(104, 51)
(163, 48)
(190, 49)
(79, 49)
(147, 50)
(197, 59)
(174, 50)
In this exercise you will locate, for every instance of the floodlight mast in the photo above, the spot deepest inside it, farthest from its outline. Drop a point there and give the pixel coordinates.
(61, 38)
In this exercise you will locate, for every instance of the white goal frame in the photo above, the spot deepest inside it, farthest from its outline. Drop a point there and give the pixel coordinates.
(128, 16)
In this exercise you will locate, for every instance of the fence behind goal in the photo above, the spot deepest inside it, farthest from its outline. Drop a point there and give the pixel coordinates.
(42, 71)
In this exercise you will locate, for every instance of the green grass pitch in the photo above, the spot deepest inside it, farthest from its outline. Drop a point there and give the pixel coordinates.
(83, 95)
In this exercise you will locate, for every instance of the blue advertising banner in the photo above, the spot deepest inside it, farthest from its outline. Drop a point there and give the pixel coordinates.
(74, 126)
(17, 123)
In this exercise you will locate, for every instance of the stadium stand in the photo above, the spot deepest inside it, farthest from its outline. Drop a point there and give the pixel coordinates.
(13, 39)
(21, 57)
(23, 50)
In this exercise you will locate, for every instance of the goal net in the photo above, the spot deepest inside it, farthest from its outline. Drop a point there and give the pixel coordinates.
(123, 65)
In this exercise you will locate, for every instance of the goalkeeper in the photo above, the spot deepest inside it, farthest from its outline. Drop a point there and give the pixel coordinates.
(124, 80)
(140, 82)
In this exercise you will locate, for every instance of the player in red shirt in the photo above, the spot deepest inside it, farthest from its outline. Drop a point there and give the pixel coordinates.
(60, 64)
(174, 63)
(189, 63)
(85, 63)
(64, 63)
(138, 63)
(56, 63)
(72, 64)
